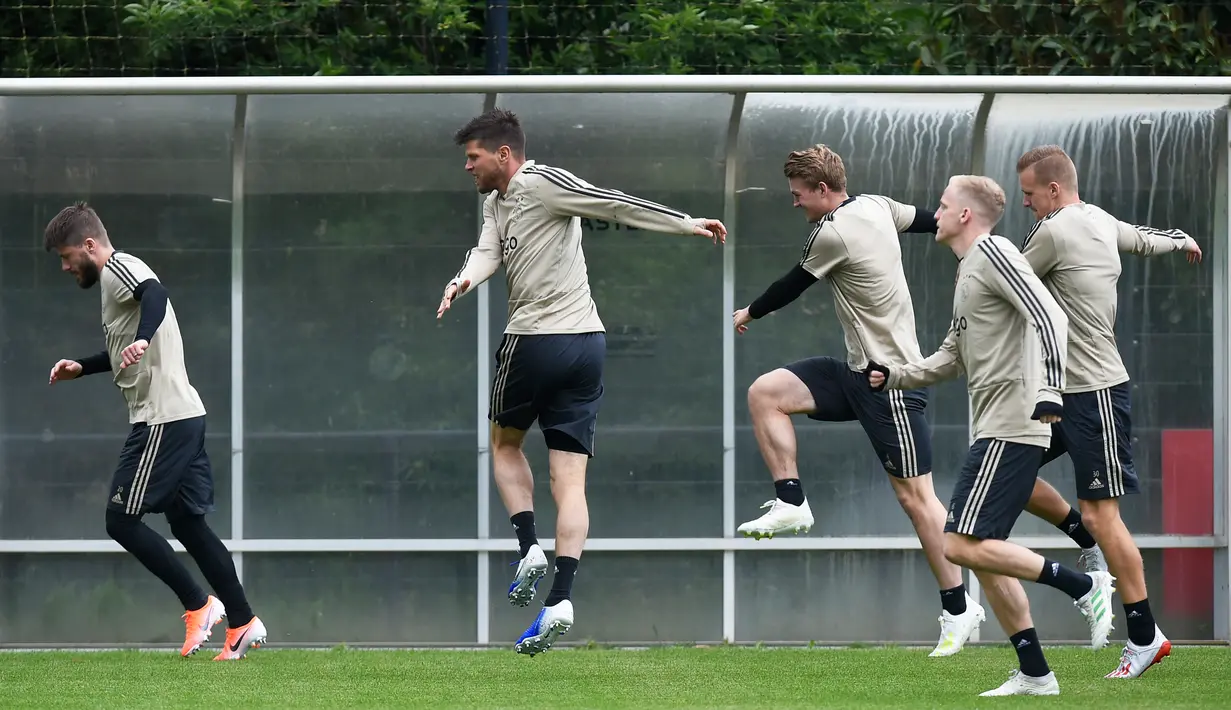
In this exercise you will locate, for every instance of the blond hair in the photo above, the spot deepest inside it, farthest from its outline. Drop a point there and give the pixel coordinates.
(816, 165)
(982, 195)
(1051, 164)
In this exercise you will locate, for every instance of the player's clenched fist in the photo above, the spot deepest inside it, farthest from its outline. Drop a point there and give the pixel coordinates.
(878, 375)
(64, 370)
(131, 355)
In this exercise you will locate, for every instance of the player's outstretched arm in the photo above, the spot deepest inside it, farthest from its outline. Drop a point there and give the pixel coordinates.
(1148, 241)
(824, 252)
(944, 364)
(1013, 278)
(779, 295)
(480, 263)
(72, 369)
(566, 195)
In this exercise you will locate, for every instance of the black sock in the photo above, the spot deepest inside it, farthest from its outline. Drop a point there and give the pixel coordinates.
(153, 551)
(1140, 622)
(1029, 653)
(1071, 582)
(789, 491)
(523, 525)
(562, 584)
(216, 564)
(954, 600)
(1076, 531)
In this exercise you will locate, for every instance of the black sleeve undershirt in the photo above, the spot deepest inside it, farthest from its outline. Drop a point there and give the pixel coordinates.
(782, 292)
(925, 222)
(153, 298)
(94, 364)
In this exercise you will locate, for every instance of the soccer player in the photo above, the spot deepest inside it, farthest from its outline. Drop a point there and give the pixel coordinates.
(549, 365)
(855, 247)
(1075, 250)
(163, 466)
(1003, 320)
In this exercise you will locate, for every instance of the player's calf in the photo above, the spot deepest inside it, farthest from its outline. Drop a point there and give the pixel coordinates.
(772, 399)
(1091, 595)
(1047, 504)
(1033, 675)
(1124, 558)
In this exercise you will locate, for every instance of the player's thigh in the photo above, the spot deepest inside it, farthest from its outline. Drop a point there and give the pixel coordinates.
(516, 383)
(896, 424)
(195, 495)
(569, 405)
(993, 489)
(824, 377)
(153, 465)
(1097, 429)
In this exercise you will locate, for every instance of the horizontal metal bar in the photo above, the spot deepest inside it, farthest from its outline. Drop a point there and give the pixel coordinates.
(610, 430)
(625, 83)
(610, 544)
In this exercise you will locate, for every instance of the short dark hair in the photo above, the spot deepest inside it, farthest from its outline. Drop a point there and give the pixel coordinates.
(493, 129)
(72, 226)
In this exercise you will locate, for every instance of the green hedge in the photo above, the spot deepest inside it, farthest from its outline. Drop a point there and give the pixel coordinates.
(205, 37)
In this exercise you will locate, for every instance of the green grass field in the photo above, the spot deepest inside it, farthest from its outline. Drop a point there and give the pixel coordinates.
(710, 678)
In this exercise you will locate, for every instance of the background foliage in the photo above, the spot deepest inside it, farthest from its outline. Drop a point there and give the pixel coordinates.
(208, 37)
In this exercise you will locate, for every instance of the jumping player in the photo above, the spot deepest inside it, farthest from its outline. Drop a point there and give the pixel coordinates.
(549, 365)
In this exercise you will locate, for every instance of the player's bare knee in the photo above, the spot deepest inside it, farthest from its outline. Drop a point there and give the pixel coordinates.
(961, 550)
(916, 495)
(779, 391)
(567, 470)
(1100, 517)
(506, 440)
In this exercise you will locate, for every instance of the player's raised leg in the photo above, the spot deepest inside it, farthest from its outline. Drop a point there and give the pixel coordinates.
(1098, 427)
(995, 485)
(799, 388)
(568, 416)
(1047, 504)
